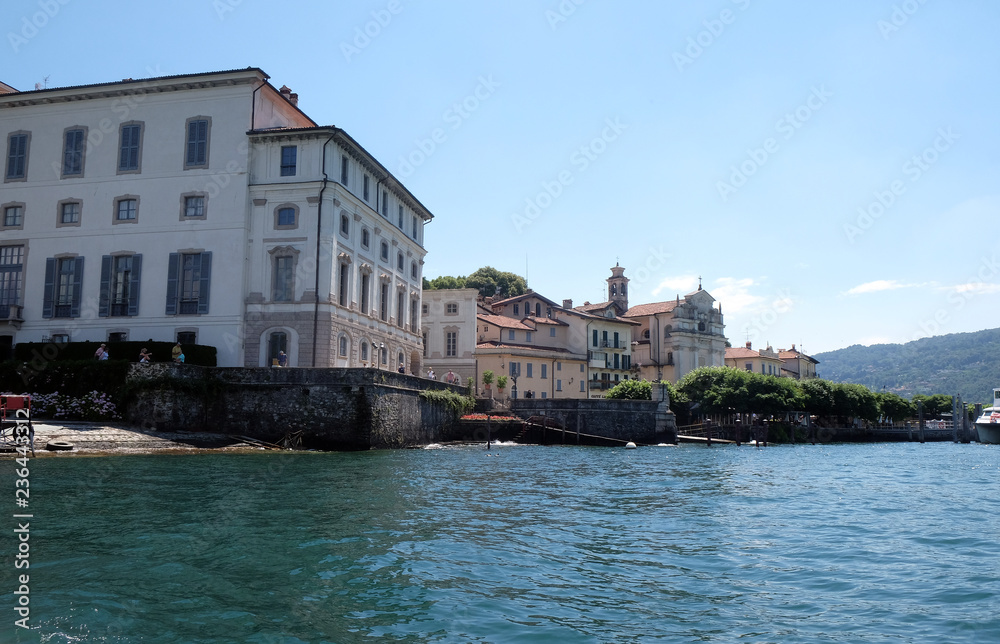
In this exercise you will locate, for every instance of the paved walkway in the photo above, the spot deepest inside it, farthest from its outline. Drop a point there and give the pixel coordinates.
(103, 438)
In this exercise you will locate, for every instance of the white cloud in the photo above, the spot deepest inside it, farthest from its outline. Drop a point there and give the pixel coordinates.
(880, 285)
(734, 294)
(679, 284)
(976, 288)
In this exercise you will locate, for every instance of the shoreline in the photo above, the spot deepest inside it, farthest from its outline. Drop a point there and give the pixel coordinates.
(111, 439)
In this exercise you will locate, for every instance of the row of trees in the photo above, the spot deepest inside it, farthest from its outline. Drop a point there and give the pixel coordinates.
(487, 280)
(720, 390)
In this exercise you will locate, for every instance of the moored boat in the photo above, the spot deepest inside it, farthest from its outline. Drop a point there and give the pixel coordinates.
(988, 425)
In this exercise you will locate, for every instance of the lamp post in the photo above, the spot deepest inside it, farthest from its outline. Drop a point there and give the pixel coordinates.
(381, 354)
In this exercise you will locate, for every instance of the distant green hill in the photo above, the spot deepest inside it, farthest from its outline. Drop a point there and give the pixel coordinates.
(958, 363)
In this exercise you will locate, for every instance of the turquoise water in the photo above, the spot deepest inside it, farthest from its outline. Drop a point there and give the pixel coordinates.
(834, 543)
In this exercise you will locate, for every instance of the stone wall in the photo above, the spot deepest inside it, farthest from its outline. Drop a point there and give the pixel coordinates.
(642, 421)
(334, 408)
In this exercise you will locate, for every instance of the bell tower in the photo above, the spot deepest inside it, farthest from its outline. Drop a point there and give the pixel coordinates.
(618, 288)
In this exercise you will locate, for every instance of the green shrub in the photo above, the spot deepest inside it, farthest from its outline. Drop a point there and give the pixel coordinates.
(631, 390)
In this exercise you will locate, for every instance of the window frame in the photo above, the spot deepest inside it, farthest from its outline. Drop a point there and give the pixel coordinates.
(52, 299)
(22, 211)
(196, 165)
(60, 208)
(137, 145)
(283, 277)
(12, 158)
(288, 168)
(111, 285)
(277, 216)
(117, 210)
(366, 188)
(12, 276)
(204, 206)
(176, 283)
(82, 152)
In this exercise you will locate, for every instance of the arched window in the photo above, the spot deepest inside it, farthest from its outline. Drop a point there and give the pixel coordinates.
(364, 351)
(614, 290)
(343, 346)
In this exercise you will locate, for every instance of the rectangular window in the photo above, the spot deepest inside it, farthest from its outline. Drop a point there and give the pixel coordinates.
(128, 147)
(583, 383)
(451, 308)
(527, 369)
(69, 212)
(344, 165)
(365, 281)
(425, 344)
(413, 315)
(552, 332)
(527, 336)
(63, 287)
(284, 279)
(451, 344)
(286, 217)
(365, 189)
(399, 261)
(365, 238)
(345, 225)
(343, 285)
(384, 303)
(196, 155)
(385, 203)
(119, 294)
(13, 216)
(11, 269)
(415, 228)
(595, 337)
(17, 157)
(400, 309)
(400, 220)
(749, 366)
(604, 338)
(127, 209)
(616, 340)
(189, 277)
(510, 335)
(384, 252)
(73, 150)
(517, 309)
(558, 385)
(545, 371)
(616, 359)
(288, 158)
(194, 207)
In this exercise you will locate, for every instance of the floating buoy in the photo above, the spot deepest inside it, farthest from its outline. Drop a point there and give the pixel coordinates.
(630, 445)
(58, 446)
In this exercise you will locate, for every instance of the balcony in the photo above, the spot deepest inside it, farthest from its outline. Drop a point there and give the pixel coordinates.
(601, 385)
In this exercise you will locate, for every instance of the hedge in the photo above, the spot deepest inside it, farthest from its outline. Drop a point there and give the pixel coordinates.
(128, 351)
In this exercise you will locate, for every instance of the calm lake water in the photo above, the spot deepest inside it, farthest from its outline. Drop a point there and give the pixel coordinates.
(833, 543)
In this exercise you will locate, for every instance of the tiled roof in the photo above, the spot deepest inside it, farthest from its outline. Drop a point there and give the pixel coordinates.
(143, 80)
(552, 321)
(520, 347)
(653, 308)
(518, 298)
(593, 307)
(504, 322)
(741, 352)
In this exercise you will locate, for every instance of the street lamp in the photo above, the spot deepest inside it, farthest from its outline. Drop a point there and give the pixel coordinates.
(381, 354)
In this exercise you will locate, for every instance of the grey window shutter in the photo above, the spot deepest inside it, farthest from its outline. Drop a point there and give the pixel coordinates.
(77, 287)
(50, 287)
(104, 304)
(206, 279)
(133, 285)
(173, 268)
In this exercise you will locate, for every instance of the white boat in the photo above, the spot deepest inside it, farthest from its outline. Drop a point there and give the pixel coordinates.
(988, 425)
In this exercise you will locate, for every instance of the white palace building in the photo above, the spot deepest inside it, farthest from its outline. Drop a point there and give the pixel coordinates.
(209, 209)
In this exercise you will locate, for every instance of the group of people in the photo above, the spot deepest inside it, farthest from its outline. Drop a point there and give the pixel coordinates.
(145, 357)
(451, 378)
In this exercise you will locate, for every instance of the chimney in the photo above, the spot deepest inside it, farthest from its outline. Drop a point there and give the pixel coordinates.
(748, 344)
(294, 99)
(285, 92)
(793, 346)
(567, 304)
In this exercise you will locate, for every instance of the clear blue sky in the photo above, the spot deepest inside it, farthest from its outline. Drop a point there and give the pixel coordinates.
(830, 169)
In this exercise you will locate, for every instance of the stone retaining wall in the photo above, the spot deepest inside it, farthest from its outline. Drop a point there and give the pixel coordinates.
(334, 408)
